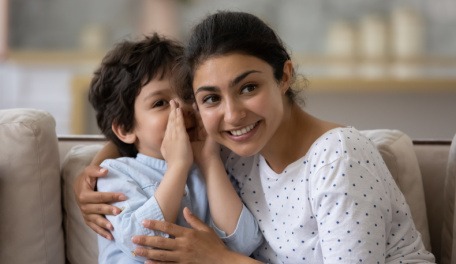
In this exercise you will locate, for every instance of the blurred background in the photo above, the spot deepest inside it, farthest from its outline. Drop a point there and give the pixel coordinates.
(370, 63)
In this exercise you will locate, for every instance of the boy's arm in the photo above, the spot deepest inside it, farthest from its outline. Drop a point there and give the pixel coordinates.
(141, 203)
(176, 150)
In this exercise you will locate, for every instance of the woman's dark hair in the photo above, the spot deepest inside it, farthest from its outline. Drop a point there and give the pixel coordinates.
(125, 69)
(227, 32)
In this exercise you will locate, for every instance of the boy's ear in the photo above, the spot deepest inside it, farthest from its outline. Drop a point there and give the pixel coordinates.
(124, 136)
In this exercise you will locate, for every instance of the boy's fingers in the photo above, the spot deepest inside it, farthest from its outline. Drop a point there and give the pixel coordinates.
(173, 105)
(180, 118)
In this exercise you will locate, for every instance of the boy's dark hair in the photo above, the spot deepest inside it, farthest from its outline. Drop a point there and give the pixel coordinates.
(123, 72)
(227, 32)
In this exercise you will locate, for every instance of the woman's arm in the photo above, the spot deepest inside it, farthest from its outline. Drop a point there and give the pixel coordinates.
(109, 151)
(241, 232)
(224, 203)
(198, 245)
(93, 205)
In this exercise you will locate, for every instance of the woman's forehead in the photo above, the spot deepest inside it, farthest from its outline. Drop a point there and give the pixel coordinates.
(230, 66)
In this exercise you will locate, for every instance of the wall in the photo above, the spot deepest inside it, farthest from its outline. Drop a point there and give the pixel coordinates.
(89, 27)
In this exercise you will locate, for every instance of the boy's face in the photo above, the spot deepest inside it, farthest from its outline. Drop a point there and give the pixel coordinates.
(151, 116)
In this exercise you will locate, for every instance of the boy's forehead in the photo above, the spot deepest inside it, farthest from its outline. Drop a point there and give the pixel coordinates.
(157, 87)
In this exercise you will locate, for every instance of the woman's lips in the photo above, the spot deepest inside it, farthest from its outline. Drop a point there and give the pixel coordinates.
(243, 133)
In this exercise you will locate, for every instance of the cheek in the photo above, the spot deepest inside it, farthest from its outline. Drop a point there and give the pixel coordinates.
(209, 122)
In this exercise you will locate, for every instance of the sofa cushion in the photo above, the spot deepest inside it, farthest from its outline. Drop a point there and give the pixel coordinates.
(397, 151)
(30, 188)
(81, 241)
(395, 147)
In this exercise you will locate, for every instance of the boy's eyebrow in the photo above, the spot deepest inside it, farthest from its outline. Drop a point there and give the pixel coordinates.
(232, 83)
(152, 94)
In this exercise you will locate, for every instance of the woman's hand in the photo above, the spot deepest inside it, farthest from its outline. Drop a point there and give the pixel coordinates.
(93, 204)
(205, 149)
(198, 245)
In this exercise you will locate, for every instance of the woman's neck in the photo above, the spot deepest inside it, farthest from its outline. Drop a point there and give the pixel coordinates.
(297, 132)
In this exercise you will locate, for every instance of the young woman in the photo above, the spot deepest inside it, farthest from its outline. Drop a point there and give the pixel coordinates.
(320, 192)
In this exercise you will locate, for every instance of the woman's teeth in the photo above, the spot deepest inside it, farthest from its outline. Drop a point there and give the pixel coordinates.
(242, 131)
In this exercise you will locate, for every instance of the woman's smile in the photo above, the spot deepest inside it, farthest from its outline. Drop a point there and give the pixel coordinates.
(243, 133)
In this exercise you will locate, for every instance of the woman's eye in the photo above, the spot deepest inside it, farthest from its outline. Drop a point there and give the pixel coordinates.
(160, 103)
(210, 99)
(248, 88)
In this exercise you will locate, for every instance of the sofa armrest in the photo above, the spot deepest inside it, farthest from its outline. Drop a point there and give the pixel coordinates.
(31, 226)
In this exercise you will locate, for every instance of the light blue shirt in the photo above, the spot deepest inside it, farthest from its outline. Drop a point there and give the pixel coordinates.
(138, 178)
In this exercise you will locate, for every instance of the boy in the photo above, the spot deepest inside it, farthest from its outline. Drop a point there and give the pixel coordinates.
(140, 113)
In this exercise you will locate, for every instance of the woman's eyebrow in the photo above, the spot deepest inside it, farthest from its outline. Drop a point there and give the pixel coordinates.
(206, 89)
(232, 83)
(241, 77)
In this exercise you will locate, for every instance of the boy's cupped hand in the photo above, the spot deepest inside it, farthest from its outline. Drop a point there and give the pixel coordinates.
(176, 148)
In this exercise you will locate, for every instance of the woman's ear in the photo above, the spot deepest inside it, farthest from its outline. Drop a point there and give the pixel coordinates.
(128, 137)
(287, 76)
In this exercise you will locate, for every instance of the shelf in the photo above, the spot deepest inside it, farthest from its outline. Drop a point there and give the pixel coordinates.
(66, 57)
(381, 85)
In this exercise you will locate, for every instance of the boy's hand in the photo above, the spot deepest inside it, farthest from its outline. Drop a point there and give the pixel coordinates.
(176, 148)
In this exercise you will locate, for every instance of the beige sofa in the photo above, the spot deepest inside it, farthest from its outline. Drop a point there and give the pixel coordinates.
(40, 221)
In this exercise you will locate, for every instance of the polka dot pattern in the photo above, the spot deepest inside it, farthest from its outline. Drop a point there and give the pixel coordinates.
(336, 204)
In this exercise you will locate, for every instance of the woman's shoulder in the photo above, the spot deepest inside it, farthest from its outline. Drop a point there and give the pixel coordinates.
(340, 136)
(338, 143)
(336, 137)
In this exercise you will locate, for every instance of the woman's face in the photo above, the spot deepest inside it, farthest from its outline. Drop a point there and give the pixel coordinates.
(240, 102)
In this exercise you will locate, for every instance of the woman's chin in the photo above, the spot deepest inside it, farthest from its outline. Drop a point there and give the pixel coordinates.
(243, 150)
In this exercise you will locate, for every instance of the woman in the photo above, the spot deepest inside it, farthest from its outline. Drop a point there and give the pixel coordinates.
(320, 192)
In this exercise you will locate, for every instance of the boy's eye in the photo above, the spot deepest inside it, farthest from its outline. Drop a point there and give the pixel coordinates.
(160, 103)
(248, 88)
(210, 99)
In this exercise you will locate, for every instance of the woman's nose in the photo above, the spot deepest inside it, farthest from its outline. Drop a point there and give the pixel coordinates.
(234, 112)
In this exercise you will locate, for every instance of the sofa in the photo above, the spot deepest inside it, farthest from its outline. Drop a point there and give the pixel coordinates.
(41, 223)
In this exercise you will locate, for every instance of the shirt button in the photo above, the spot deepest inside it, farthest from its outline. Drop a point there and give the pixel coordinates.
(185, 192)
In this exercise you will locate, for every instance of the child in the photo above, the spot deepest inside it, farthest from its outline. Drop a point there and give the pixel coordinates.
(140, 113)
